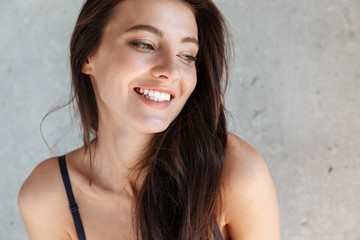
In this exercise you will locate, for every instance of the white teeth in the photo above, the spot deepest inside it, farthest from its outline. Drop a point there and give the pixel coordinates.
(163, 95)
(155, 95)
(151, 93)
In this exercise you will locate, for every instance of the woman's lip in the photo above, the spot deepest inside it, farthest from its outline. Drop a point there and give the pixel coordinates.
(158, 88)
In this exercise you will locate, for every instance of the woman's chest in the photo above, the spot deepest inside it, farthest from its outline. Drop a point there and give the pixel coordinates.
(107, 220)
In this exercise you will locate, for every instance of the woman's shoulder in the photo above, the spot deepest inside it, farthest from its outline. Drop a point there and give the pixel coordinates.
(41, 200)
(249, 203)
(43, 182)
(242, 162)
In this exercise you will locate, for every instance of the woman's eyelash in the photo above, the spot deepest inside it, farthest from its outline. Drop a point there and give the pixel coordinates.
(188, 58)
(147, 47)
(142, 45)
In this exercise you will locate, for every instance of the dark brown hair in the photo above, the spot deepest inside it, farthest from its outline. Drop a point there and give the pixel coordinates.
(180, 192)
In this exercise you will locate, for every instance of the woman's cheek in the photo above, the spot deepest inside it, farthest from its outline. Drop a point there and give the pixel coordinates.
(190, 81)
(132, 60)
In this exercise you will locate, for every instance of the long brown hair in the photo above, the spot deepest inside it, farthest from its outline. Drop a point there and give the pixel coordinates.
(180, 193)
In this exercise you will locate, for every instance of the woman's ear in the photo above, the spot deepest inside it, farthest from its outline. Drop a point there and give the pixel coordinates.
(87, 67)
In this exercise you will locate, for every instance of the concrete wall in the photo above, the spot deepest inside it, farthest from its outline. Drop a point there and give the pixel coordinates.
(294, 95)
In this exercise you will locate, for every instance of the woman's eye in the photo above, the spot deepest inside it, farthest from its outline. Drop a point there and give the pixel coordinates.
(188, 58)
(143, 46)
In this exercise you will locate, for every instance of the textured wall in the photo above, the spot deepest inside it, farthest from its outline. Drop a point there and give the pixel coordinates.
(294, 95)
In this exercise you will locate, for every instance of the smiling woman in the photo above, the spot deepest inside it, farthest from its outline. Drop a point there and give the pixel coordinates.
(149, 51)
(157, 162)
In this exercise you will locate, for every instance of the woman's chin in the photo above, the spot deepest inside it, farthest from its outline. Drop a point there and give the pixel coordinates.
(154, 126)
(152, 129)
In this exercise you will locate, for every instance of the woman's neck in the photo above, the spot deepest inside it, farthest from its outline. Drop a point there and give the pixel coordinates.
(116, 153)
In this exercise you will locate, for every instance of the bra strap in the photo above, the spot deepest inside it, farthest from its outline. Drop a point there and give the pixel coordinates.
(216, 231)
(72, 203)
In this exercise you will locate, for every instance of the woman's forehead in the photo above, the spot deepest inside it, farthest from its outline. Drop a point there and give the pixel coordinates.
(165, 15)
(154, 9)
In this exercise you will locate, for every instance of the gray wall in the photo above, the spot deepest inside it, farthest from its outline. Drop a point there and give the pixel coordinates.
(294, 95)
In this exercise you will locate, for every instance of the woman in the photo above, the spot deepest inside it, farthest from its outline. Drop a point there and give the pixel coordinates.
(157, 161)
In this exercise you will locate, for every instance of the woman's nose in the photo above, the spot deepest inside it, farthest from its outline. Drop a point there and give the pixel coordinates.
(166, 67)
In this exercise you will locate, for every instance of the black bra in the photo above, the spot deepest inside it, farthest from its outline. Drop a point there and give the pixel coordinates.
(75, 209)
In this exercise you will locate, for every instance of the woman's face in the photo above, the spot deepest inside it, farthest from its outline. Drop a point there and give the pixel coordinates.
(144, 71)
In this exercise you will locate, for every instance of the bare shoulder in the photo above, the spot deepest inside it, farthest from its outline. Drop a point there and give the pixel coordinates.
(243, 164)
(249, 198)
(41, 202)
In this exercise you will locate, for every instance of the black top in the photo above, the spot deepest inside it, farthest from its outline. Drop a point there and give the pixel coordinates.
(75, 209)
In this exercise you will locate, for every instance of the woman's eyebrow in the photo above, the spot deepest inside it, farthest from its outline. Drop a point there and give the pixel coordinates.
(145, 27)
(190, 40)
(156, 31)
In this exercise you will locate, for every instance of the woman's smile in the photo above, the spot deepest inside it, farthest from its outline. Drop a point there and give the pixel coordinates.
(155, 99)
